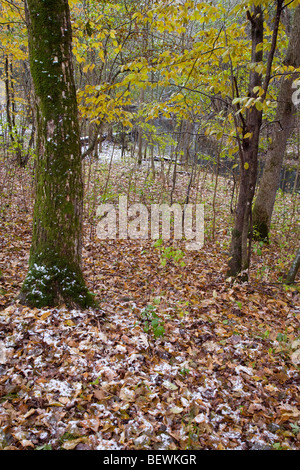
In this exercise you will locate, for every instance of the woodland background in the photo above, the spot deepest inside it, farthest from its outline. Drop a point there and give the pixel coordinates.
(177, 354)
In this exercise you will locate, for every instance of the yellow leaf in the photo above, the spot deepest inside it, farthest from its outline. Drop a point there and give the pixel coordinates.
(79, 59)
(45, 315)
(248, 135)
(101, 55)
(259, 105)
(246, 166)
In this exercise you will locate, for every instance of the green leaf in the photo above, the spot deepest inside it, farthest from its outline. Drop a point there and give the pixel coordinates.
(159, 331)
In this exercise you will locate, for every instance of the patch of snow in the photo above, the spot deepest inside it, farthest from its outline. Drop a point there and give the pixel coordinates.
(63, 388)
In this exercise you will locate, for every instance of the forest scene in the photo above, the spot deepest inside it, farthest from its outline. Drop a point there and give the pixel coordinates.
(149, 225)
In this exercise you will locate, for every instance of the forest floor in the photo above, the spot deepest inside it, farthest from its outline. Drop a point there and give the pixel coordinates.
(217, 369)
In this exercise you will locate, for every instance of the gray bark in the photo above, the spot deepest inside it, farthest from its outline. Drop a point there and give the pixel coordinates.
(290, 278)
(282, 130)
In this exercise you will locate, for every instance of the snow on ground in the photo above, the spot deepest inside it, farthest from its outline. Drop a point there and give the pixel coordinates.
(87, 378)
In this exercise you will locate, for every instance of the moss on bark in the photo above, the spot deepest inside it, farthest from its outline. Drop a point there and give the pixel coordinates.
(261, 222)
(52, 281)
(283, 126)
(55, 259)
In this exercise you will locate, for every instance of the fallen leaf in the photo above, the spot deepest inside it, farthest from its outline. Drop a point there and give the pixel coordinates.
(3, 358)
(46, 315)
(169, 386)
(100, 394)
(176, 410)
(127, 395)
(70, 445)
(288, 413)
(27, 443)
(295, 357)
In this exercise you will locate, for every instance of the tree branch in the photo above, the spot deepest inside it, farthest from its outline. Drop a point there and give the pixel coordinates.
(273, 48)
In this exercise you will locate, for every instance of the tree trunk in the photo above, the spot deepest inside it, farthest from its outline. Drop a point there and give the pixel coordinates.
(55, 275)
(8, 99)
(283, 127)
(10, 110)
(239, 256)
(290, 278)
(240, 250)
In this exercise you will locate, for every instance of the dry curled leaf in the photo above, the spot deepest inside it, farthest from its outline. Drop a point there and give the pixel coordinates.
(70, 445)
(127, 395)
(295, 357)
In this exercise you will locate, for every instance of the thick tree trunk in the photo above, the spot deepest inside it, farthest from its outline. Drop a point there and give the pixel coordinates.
(283, 127)
(54, 275)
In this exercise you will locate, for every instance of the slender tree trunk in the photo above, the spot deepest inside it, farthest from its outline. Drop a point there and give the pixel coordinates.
(11, 111)
(291, 276)
(55, 275)
(140, 130)
(7, 93)
(240, 250)
(239, 256)
(283, 127)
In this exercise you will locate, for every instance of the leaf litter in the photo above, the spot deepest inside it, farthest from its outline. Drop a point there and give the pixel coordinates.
(224, 374)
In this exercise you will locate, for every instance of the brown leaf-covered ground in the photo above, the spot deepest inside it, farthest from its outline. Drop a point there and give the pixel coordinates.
(224, 374)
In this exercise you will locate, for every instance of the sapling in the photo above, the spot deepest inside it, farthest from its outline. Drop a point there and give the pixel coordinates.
(152, 322)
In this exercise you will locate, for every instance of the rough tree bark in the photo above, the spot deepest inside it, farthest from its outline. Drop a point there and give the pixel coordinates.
(240, 251)
(238, 260)
(282, 129)
(55, 276)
